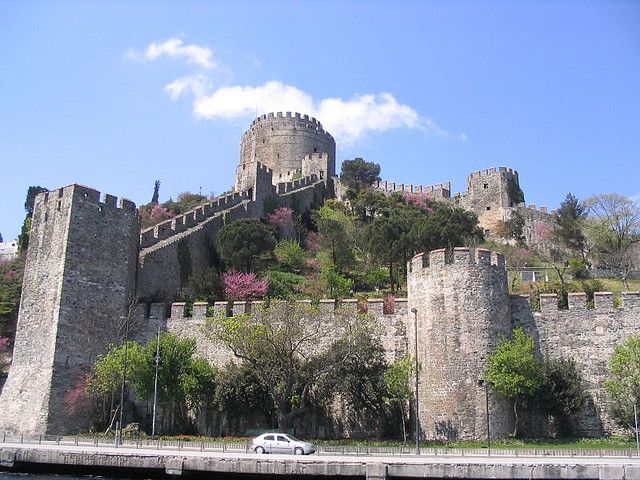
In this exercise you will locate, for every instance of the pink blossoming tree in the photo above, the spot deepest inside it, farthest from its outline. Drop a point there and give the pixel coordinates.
(243, 286)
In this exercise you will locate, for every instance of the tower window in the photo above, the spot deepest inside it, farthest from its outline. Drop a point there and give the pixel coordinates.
(486, 185)
(488, 208)
(315, 149)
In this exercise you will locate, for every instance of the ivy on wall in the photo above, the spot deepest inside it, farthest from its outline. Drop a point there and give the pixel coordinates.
(514, 192)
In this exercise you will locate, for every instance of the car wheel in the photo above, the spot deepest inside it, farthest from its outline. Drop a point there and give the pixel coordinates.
(298, 451)
(259, 450)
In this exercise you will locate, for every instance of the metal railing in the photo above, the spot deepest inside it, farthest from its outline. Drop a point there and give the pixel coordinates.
(238, 447)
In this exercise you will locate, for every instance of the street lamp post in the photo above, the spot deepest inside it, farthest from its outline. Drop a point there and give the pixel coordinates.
(417, 409)
(484, 383)
(635, 417)
(156, 361)
(124, 378)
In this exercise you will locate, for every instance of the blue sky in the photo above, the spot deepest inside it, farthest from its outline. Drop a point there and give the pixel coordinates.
(117, 94)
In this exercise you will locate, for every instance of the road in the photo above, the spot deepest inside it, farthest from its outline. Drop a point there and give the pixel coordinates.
(371, 466)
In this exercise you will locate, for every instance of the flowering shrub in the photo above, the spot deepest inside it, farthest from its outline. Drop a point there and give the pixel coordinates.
(421, 200)
(76, 400)
(243, 286)
(312, 242)
(282, 217)
(159, 213)
(10, 276)
(543, 232)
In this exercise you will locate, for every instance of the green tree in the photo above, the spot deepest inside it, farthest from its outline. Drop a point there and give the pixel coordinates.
(337, 233)
(514, 371)
(563, 392)
(290, 349)
(357, 175)
(512, 228)
(398, 387)
(569, 225)
(31, 198)
(615, 231)
(156, 192)
(284, 285)
(335, 284)
(203, 286)
(242, 398)
(624, 383)
(23, 239)
(185, 383)
(244, 242)
(291, 256)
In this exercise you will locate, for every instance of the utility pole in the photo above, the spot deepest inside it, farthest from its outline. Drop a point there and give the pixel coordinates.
(124, 377)
(156, 361)
(417, 409)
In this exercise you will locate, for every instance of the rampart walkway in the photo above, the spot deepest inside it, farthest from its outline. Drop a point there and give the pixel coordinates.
(174, 460)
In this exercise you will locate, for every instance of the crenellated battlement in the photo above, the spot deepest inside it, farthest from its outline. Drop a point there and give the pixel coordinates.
(578, 302)
(438, 190)
(492, 171)
(202, 310)
(458, 256)
(287, 119)
(542, 209)
(286, 187)
(86, 194)
(164, 230)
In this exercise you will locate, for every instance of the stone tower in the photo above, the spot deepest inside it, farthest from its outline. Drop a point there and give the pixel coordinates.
(292, 146)
(492, 195)
(78, 281)
(461, 307)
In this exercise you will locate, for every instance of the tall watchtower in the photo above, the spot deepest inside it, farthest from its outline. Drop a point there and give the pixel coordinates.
(461, 304)
(492, 194)
(290, 145)
(79, 276)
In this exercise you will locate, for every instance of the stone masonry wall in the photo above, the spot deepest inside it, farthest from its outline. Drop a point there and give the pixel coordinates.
(461, 305)
(79, 277)
(281, 141)
(587, 336)
(487, 196)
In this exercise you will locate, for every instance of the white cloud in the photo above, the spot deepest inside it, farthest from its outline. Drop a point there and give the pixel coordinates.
(174, 47)
(347, 120)
(196, 84)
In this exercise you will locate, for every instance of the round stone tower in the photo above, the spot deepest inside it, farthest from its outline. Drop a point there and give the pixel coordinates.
(292, 145)
(460, 303)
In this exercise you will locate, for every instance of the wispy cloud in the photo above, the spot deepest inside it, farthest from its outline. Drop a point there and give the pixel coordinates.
(175, 47)
(349, 120)
(194, 84)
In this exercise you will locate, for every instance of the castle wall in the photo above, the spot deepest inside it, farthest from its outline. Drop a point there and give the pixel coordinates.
(462, 306)
(176, 248)
(82, 254)
(587, 336)
(439, 191)
(488, 196)
(281, 141)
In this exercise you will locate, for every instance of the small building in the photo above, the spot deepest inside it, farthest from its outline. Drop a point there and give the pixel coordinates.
(8, 251)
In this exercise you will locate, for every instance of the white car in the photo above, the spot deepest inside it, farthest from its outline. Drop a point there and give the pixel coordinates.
(281, 443)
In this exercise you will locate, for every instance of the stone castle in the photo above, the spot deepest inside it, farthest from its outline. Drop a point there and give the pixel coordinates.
(88, 260)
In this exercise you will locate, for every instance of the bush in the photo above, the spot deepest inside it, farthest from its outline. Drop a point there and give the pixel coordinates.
(284, 285)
